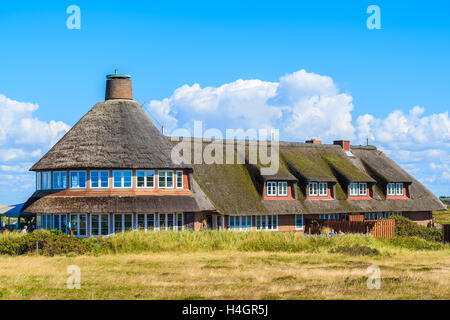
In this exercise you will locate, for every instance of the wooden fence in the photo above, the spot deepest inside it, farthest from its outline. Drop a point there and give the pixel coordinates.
(377, 228)
(383, 229)
(446, 232)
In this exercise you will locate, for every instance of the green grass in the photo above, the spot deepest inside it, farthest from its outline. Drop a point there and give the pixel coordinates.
(193, 241)
(442, 217)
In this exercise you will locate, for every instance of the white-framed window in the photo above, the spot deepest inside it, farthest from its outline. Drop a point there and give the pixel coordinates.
(313, 189)
(282, 188)
(145, 179)
(165, 179)
(46, 180)
(78, 179)
(99, 179)
(323, 189)
(266, 223)
(354, 189)
(271, 187)
(179, 179)
(38, 181)
(391, 189)
(299, 222)
(122, 178)
(363, 189)
(395, 189)
(171, 221)
(399, 189)
(122, 222)
(240, 223)
(59, 180)
(358, 189)
(78, 225)
(99, 224)
(60, 222)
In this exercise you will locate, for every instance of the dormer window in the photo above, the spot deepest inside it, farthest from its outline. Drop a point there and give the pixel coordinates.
(46, 180)
(395, 189)
(277, 189)
(165, 179)
(38, 181)
(59, 180)
(77, 179)
(122, 178)
(358, 189)
(319, 189)
(145, 179)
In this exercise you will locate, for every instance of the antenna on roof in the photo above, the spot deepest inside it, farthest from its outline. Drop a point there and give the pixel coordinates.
(161, 125)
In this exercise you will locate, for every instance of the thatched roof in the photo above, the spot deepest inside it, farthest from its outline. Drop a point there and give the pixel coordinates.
(113, 134)
(236, 189)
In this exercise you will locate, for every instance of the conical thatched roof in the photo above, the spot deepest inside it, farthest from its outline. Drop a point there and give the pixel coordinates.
(113, 134)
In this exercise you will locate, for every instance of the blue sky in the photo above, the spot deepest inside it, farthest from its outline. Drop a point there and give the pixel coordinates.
(166, 45)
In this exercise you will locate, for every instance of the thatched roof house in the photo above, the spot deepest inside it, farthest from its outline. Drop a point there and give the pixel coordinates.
(115, 171)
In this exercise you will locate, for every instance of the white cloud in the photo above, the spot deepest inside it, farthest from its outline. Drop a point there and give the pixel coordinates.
(23, 139)
(302, 105)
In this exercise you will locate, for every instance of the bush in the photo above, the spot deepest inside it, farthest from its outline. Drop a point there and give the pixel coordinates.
(404, 227)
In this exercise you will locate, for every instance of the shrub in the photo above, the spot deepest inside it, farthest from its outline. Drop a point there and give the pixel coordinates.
(404, 227)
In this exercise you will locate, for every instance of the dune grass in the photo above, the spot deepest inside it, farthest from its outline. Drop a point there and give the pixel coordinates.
(228, 274)
(442, 217)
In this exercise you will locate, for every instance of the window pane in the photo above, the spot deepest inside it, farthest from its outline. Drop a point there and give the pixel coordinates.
(141, 221)
(56, 221)
(95, 224)
(150, 222)
(180, 221)
(82, 179)
(94, 179)
(179, 179)
(170, 221)
(128, 222)
(104, 179)
(140, 179)
(162, 179)
(117, 223)
(104, 224)
(150, 179)
(74, 224)
(38, 181)
(169, 179)
(117, 175)
(127, 179)
(162, 222)
(83, 228)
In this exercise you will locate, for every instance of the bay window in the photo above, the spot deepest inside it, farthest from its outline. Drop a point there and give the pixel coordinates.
(77, 179)
(145, 179)
(59, 180)
(165, 179)
(99, 179)
(122, 178)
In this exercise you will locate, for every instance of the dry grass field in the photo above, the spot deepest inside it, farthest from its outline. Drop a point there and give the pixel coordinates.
(226, 274)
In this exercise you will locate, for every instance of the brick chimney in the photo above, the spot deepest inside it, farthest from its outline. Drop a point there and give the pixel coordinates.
(314, 141)
(118, 86)
(345, 144)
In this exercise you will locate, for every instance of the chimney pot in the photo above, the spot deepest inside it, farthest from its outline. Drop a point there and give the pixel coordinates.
(118, 86)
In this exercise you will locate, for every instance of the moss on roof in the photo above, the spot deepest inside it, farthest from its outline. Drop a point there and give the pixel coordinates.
(341, 164)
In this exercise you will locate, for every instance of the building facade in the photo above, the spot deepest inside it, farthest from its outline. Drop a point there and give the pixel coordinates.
(113, 172)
